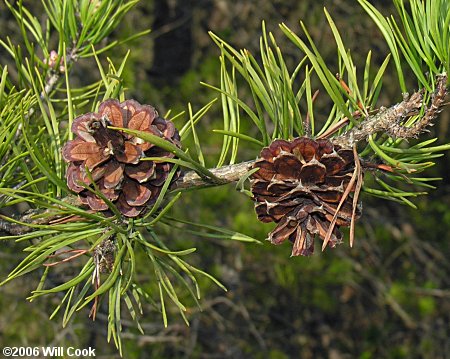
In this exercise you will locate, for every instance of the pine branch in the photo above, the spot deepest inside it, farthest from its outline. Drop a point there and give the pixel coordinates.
(71, 57)
(388, 120)
(189, 180)
(227, 174)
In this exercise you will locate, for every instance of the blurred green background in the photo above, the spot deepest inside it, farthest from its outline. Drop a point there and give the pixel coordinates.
(387, 297)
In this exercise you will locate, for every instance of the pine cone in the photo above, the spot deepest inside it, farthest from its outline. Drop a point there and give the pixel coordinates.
(114, 158)
(299, 185)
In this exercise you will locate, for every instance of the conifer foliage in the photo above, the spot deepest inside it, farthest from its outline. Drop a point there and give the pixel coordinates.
(94, 174)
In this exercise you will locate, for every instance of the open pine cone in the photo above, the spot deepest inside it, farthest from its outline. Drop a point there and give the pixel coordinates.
(114, 158)
(299, 185)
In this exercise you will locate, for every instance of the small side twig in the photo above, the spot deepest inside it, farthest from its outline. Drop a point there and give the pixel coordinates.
(389, 120)
(50, 84)
(382, 121)
(437, 102)
(59, 69)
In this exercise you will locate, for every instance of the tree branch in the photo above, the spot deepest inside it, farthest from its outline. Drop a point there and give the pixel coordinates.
(228, 174)
(388, 120)
(51, 82)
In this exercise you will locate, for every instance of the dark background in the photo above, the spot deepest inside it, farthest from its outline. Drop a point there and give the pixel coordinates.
(387, 297)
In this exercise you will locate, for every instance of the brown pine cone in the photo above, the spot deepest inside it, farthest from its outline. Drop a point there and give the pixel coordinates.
(114, 158)
(299, 185)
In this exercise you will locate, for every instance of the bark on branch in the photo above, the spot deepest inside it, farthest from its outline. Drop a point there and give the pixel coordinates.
(228, 174)
(389, 120)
